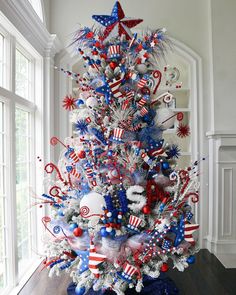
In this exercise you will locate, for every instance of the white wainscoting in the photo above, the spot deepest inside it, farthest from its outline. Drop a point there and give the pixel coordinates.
(221, 239)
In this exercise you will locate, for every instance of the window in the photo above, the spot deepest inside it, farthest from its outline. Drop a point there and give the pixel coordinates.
(20, 106)
(37, 6)
(23, 71)
(1, 58)
(24, 182)
(3, 262)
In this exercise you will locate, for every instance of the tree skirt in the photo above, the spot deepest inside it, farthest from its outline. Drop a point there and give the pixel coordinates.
(161, 286)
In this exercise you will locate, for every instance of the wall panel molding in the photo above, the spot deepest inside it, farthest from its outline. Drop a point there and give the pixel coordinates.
(221, 239)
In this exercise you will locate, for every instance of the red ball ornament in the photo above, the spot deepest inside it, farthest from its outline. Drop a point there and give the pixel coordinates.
(164, 267)
(146, 210)
(82, 154)
(78, 232)
(113, 65)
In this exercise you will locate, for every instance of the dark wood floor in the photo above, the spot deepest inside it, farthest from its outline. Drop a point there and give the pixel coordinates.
(206, 277)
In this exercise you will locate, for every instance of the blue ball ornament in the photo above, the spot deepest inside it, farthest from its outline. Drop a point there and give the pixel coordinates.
(191, 259)
(79, 290)
(112, 233)
(109, 153)
(73, 226)
(60, 212)
(79, 102)
(103, 232)
(165, 165)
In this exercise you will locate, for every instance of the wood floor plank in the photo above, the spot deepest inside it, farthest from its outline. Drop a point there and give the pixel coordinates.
(206, 277)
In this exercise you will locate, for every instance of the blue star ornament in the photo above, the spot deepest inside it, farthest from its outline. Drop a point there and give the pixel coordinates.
(84, 258)
(106, 91)
(116, 24)
(179, 231)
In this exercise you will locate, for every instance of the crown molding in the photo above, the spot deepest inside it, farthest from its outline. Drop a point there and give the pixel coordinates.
(21, 14)
(221, 133)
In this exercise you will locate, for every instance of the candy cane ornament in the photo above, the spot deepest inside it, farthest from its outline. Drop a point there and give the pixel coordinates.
(157, 75)
(50, 167)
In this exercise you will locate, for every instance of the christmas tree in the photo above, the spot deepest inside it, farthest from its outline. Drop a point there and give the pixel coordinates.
(121, 210)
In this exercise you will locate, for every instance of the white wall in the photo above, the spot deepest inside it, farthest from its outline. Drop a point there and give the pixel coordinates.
(224, 63)
(47, 13)
(206, 26)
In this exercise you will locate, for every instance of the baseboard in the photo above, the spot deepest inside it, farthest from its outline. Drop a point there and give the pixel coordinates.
(224, 250)
(228, 260)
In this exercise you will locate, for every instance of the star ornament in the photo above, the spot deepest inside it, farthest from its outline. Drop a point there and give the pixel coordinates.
(116, 24)
(84, 260)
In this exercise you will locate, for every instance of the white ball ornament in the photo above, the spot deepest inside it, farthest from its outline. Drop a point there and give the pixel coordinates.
(109, 229)
(91, 205)
(91, 102)
(165, 117)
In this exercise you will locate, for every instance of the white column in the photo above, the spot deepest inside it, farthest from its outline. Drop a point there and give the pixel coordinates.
(221, 239)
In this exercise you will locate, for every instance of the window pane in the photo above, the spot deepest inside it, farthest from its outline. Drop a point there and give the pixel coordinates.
(3, 258)
(22, 75)
(23, 181)
(1, 58)
(37, 7)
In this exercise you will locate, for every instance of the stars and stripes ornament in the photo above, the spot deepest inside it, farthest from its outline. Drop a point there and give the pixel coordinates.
(114, 51)
(146, 158)
(184, 231)
(106, 91)
(125, 104)
(84, 260)
(134, 223)
(72, 155)
(189, 215)
(166, 244)
(143, 112)
(118, 134)
(130, 94)
(189, 229)
(89, 172)
(114, 88)
(116, 24)
(157, 152)
(135, 128)
(142, 82)
(141, 102)
(128, 271)
(94, 260)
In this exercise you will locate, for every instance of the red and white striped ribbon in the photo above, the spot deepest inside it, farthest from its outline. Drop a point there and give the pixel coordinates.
(75, 173)
(94, 260)
(89, 172)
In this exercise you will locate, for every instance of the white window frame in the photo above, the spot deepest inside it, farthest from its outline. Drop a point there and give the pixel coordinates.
(38, 8)
(11, 101)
